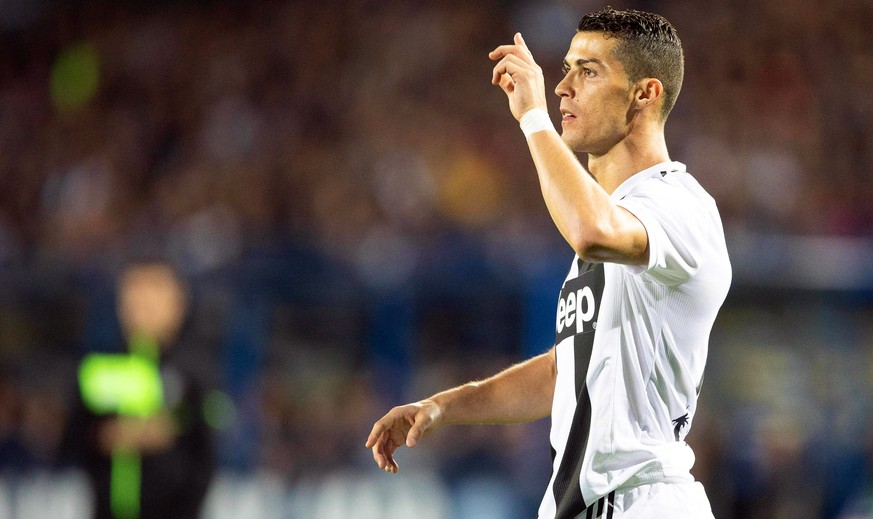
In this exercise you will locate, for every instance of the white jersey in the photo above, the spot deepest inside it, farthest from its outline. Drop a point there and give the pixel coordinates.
(631, 345)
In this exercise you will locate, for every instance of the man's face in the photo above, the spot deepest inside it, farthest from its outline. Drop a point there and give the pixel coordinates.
(596, 95)
(151, 302)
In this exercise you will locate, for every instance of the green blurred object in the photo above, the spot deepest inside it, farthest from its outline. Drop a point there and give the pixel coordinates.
(125, 484)
(219, 410)
(127, 385)
(75, 76)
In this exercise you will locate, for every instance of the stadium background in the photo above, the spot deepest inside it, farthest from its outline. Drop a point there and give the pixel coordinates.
(360, 223)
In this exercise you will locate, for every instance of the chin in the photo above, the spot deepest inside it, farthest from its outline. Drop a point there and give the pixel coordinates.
(572, 142)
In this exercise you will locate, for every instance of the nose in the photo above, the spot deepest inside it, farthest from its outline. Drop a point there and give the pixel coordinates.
(563, 88)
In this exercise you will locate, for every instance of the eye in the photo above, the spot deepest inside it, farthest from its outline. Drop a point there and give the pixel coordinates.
(587, 72)
(565, 69)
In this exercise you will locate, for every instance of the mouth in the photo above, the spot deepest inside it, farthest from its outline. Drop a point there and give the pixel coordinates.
(567, 115)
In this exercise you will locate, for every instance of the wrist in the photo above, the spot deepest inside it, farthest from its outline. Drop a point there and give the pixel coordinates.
(535, 120)
(434, 410)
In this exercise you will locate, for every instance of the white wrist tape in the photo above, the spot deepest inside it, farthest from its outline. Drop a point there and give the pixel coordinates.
(535, 120)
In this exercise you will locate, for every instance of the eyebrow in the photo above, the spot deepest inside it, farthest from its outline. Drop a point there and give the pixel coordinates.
(583, 61)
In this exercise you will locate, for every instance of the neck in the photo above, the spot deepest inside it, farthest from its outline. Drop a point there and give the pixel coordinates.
(631, 155)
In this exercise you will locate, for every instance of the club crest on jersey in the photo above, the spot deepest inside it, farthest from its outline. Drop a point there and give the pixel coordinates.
(579, 302)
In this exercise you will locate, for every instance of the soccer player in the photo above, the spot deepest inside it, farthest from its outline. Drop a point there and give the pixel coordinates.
(635, 312)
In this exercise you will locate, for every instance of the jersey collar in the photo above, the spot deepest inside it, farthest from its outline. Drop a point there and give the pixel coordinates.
(658, 170)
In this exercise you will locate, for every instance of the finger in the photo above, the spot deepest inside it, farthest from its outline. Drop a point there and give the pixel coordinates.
(378, 458)
(500, 69)
(522, 45)
(391, 466)
(423, 422)
(387, 453)
(378, 451)
(375, 433)
(497, 74)
(500, 51)
(507, 84)
(510, 66)
(414, 435)
(519, 40)
(511, 50)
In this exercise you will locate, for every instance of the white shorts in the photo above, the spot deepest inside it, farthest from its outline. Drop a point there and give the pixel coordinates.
(654, 501)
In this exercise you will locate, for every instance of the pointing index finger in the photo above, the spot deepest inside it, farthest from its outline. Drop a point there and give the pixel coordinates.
(517, 48)
(519, 40)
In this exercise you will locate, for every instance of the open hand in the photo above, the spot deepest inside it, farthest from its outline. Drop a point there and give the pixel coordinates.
(403, 425)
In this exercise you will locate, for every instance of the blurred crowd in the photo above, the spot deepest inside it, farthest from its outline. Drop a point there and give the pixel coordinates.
(360, 222)
(348, 123)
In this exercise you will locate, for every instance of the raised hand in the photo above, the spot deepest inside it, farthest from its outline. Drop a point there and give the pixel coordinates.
(403, 425)
(519, 76)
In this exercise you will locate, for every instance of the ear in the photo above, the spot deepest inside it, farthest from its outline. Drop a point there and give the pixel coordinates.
(648, 92)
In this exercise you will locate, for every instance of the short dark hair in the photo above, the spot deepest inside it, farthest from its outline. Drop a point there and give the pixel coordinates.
(648, 47)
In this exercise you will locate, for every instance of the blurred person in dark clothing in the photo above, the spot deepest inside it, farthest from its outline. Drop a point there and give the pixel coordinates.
(137, 426)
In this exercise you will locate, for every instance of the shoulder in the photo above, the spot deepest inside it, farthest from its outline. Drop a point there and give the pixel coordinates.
(675, 196)
(682, 223)
(669, 186)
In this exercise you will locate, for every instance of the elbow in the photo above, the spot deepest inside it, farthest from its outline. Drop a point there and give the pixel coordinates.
(607, 244)
(589, 242)
(586, 250)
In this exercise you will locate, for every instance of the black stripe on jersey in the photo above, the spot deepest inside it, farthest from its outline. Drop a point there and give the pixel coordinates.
(595, 510)
(568, 494)
(604, 505)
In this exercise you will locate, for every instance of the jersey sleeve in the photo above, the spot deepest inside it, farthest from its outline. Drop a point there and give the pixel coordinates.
(675, 221)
